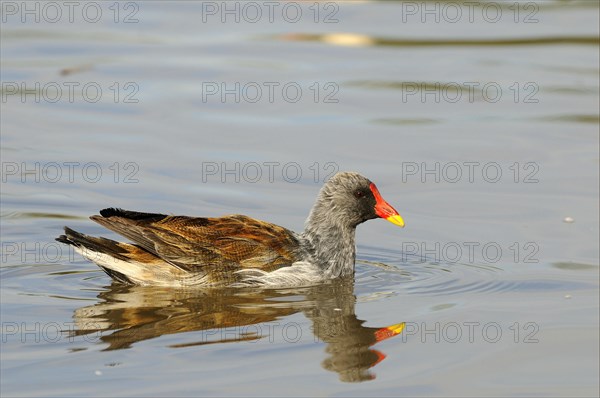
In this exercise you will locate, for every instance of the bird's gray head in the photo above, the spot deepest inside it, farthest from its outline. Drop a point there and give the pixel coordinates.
(349, 199)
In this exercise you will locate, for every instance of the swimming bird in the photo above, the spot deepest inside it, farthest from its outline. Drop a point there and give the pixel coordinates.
(237, 250)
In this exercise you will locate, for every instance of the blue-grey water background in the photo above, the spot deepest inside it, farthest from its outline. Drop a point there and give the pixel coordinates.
(480, 127)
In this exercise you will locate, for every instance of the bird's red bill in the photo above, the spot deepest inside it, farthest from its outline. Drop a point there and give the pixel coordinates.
(384, 210)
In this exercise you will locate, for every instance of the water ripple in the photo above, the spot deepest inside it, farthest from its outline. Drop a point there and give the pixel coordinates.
(390, 275)
(24, 215)
(359, 40)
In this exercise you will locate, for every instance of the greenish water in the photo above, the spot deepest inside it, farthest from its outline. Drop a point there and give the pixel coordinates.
(482, 130)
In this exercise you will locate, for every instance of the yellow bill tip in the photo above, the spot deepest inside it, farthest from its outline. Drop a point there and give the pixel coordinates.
(396, 219)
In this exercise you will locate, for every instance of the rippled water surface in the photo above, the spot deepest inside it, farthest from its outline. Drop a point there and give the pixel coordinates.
(481, 130)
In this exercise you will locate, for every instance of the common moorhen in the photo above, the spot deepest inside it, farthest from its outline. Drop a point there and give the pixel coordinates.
(237, 250)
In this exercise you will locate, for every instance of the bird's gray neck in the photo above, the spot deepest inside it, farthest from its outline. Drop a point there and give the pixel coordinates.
(330, 242)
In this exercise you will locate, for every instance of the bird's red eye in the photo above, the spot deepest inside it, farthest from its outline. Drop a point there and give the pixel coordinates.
(359, 194)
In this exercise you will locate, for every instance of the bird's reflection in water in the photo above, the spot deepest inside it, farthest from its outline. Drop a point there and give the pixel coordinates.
(129, 314)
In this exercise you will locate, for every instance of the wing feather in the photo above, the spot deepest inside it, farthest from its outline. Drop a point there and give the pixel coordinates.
(225, 243)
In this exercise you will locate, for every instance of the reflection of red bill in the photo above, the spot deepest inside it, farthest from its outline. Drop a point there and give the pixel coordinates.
(389, 331)
(380, 357)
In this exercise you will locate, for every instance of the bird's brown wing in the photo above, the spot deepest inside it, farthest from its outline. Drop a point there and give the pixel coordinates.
(230, 242)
